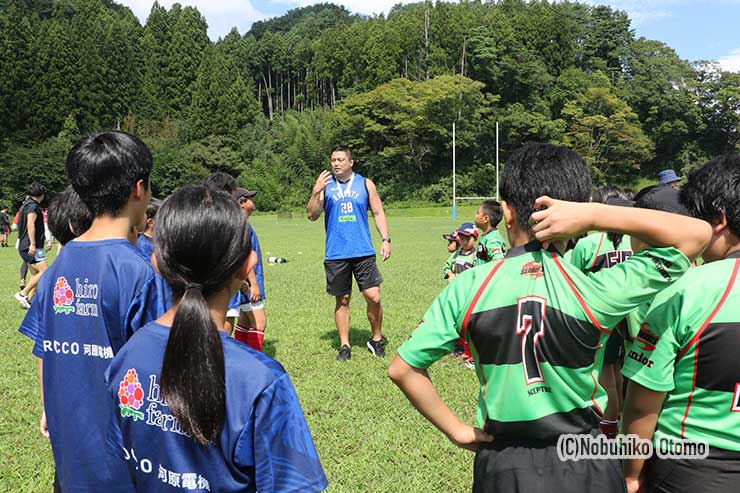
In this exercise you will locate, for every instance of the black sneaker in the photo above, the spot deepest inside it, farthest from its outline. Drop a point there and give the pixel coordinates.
(377, 348)
(345, 353)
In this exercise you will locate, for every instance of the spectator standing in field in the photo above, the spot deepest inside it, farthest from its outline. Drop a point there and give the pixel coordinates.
(31, 234)
(537, 326)
(491, 245)
(669, 178)
(250, 328)
(97, 293)
(144, 241)
(683, 366)
(345, 197)
(460, 261)
(4, 226)
(232, 421)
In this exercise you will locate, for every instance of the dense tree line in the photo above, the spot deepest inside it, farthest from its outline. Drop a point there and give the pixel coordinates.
(268, 105)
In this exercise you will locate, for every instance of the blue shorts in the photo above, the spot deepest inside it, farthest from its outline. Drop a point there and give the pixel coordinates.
(39, 256)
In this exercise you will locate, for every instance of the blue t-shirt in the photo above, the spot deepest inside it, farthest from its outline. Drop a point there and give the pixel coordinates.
(89, 303)
(345, 219)
(145, 245)
(264, 444)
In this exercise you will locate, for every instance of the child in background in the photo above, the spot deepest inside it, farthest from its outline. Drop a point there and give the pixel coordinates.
(144, 241)
(250, 328)
(96, 294)
(453, 243)
(460, 261)
(4, 226)
(69, 217)
(232, 419)
(491, 245)
(464, 257)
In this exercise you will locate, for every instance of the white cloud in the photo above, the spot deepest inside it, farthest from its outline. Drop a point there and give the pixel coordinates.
(731, 62)
(221, 15)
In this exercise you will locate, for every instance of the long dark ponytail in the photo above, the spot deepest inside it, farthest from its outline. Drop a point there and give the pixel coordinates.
(200, 242)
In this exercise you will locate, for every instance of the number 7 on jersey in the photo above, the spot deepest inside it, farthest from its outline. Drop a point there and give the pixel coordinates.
(530, 325)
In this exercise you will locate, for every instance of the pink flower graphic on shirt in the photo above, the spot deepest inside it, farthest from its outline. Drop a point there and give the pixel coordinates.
(63, 297)
(131, 395)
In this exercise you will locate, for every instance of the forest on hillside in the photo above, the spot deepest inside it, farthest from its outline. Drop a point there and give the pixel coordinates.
(268, 105)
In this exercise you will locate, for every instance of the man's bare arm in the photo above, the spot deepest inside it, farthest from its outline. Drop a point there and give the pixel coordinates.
(381, 223)
(316, 203)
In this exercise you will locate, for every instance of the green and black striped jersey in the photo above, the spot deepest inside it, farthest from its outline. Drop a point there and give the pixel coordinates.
(688, 346)
(491, 246)
(596, 251)
(536, 325)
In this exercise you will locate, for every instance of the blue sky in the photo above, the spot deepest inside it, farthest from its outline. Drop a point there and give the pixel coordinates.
(696, 30)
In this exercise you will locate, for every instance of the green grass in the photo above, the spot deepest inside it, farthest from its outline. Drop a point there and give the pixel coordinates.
(367, 434)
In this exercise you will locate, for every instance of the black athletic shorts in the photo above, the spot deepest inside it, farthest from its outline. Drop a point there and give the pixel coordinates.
(721, 474)
(339, 274)
(530, 468)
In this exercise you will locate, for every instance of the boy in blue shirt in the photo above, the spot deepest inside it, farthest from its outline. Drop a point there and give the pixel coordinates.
(97, 293)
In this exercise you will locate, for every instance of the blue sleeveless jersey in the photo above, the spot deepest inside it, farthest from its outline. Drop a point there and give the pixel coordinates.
(345, 219)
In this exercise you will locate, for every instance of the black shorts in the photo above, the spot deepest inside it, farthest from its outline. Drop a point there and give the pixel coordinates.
(693, 475)
(502, 468)
(339, 274)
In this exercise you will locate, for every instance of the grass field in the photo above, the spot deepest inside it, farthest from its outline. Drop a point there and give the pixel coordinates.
(369, 437)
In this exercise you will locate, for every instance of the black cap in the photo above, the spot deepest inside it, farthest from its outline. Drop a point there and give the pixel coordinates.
(655, 197)
(243, 192)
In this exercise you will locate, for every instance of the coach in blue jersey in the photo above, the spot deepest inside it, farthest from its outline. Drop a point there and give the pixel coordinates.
(345, 196)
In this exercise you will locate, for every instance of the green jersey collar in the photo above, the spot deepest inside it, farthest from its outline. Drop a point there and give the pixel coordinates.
(532, 246)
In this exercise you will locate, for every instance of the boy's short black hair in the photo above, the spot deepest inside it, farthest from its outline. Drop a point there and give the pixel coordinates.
(492, 209)
(543, 169)
(221, 182)
(604, 194)
(341, 148)
(68, 211)
(153, 207)
(104, 167)
(713, 190)
(35, 189)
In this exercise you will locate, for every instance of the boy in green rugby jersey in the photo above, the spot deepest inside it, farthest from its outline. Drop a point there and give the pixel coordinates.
(537, 325)
(683, 366)
(491, 245)
(602, 250)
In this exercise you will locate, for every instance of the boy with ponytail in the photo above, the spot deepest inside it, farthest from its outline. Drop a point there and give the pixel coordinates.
(194, 408)
(97, 293)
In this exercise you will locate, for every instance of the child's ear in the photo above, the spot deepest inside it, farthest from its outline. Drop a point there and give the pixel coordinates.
(720, 225)
(139, 189)
(509, 214)
(248, 265)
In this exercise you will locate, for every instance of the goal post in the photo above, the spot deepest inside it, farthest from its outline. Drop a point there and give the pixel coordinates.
(455, 198)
